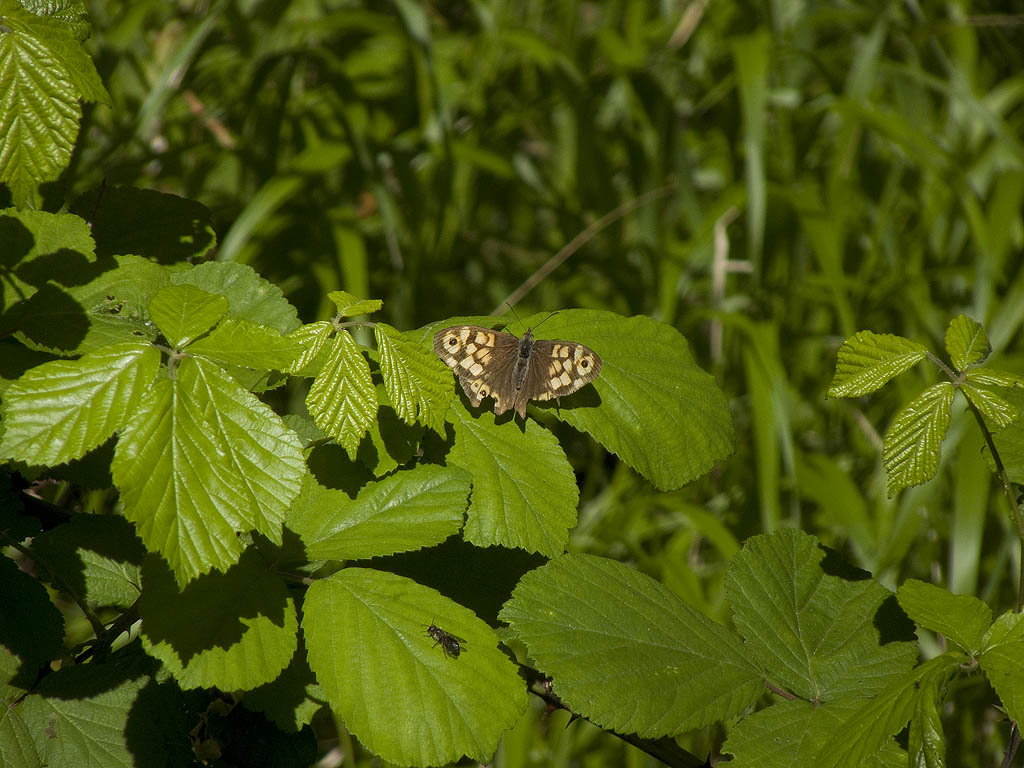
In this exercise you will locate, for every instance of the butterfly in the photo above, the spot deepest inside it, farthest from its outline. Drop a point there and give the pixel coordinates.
(514, 370)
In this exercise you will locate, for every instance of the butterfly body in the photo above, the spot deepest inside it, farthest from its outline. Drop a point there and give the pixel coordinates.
(514, 370)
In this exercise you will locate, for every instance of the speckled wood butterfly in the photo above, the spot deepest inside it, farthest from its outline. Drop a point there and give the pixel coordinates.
(514, 370)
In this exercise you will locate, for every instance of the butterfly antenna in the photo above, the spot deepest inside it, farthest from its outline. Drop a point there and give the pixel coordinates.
(546, 319)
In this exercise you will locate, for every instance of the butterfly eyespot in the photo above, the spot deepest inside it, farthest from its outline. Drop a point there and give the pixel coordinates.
(452, 341)
(584, 364)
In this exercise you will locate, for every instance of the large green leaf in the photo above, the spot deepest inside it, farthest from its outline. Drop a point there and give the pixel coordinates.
(412, 509)
(247, 634)
(868, 360)
(63, 409)
(910, 452)
(524, 489)
(402, 696)
(651, 404)
(813, 634)
(626, 653)
(203, 460)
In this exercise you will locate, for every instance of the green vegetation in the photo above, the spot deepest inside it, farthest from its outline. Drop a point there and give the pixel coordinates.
(248, 516)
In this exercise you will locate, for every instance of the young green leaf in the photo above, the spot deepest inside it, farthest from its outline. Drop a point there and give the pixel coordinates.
(966, 342)
(869, 729)
(63, 409)
(651, 404)
(44, 71)
(1001, 662)
(524, 489)
(910, 452)
(418, 385)
(342, 400)
(349, 306)
(813, 634)
(313, 338)
(183, 312)
(963, 619)
(405, 698)
(409, 510)
(987, 377)
(996, 411)
(240, 342)
(868, 360)
(248, 631)
(626, 653)
(202, 460)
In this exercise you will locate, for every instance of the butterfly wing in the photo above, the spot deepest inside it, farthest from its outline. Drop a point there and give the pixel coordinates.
(557, 369)
(483, 359)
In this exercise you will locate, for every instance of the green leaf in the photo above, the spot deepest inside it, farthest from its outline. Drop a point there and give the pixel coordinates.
(202, 460)
(987, 377)
(240, 342)
(406, 700)
(868, 730)
(524, 489)
(342, 400)
(63, 409)
(651, 405)
(169, 230)
(418, 385)
(390, 442)
(791, 733)
(813, 634)
(78, 718)
(868, 360)
(95, 558)
(926, 740)
(41, 112)
(349, 306)
(1001, 662)
(292, 698)
(409, 510)
(249, 296)
(247, 634)
(313, 338)
(996, 411)
(966, 342)
(184, 312)
(963, 619)
(626, 653)
(31, 633)
(910, 452)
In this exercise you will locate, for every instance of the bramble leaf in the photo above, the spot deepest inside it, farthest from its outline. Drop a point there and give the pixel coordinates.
(910, 451)
(962, 619)
(404, 698)
(349, 306)
(812, 633)
(241, 342)
(409, 510)
(966, 342)
(1000, 660)
(418, 385)
(626, 653)
(515, 503)
(342, 399)
(61, 410)
(868, 360)
(183, 312)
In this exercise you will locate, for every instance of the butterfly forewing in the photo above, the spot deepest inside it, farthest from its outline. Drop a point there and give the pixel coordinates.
(514, 370)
